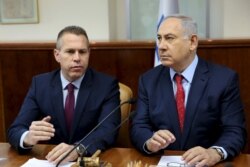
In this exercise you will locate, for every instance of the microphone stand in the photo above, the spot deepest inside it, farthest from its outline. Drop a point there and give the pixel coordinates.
(131, 115)
(131, 101)
(81, 162)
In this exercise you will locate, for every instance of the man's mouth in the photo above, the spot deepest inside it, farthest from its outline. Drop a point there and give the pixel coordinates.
(76, 67)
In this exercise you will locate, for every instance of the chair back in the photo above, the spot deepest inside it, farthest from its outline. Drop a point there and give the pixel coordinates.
(123, 139)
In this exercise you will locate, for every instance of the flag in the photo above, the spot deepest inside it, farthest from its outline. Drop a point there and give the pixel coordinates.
(166, 7)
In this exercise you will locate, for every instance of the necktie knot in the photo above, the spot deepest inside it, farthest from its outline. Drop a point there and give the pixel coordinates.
(178, 78)
(70, 87)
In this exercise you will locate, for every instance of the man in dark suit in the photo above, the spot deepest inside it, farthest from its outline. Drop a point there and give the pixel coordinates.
(42, 117)
(208, 121)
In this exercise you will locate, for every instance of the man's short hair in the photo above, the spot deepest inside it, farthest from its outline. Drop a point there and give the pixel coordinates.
(71, 30)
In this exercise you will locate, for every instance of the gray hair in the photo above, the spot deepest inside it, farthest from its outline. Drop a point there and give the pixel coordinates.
(71, 30)
(189, 25)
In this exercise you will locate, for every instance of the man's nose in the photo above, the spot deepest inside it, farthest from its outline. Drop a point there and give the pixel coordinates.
(162, 44)
(76, 55)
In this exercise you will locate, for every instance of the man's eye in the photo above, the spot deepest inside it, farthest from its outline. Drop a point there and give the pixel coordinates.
(71, 51)
(82, 51)
(158, 39)
(170, 38)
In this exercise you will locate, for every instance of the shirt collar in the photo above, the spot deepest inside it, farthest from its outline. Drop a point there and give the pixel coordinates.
(188, 73)
(65, 82)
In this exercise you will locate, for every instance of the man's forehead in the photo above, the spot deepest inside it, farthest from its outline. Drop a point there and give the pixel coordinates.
(169, 25)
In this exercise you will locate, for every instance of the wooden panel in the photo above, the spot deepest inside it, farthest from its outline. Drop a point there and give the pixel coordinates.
(124, 60)
(124, 63)
(2, 117)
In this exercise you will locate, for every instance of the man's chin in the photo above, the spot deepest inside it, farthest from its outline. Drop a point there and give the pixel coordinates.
(76, 75)
(166, 63)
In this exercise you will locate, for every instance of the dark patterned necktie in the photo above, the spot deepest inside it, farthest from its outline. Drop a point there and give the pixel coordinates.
(69, 106)
(180, 100)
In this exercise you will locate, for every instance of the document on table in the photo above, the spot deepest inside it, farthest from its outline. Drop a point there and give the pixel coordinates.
(43, 163)
(1, 158)
(172, 161)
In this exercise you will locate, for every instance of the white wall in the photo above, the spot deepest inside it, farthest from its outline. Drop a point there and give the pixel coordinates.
(106, 19)
(237, 18)
(197, 9)
(216, 19)
(55, 15)
(121, 20)
(144, 16)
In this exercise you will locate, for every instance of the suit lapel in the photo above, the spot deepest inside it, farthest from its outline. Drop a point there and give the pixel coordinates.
(82, 98)
(166, 91)
(57, 103)
(197, 89)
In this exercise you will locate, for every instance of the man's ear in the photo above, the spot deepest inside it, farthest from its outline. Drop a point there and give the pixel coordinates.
(194, 42)
(57, 55)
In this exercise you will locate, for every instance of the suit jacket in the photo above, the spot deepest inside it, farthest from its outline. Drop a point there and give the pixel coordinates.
(214, 112)
(98, 96)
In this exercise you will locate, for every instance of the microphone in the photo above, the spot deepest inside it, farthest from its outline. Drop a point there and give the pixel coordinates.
(131, 115)
(130, 101)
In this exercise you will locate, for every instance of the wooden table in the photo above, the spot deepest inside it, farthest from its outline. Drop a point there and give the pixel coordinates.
(118, 157)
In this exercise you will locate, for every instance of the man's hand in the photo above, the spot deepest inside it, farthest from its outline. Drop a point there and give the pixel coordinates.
(199, 157)
(56, 154)
(39, 131)
(160, 140)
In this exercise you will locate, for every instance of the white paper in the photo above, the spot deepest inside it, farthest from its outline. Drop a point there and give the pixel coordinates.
(172, 161)
(43, 163)
(2, 159)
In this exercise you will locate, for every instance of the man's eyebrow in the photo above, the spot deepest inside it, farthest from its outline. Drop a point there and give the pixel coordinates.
(166, 35)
